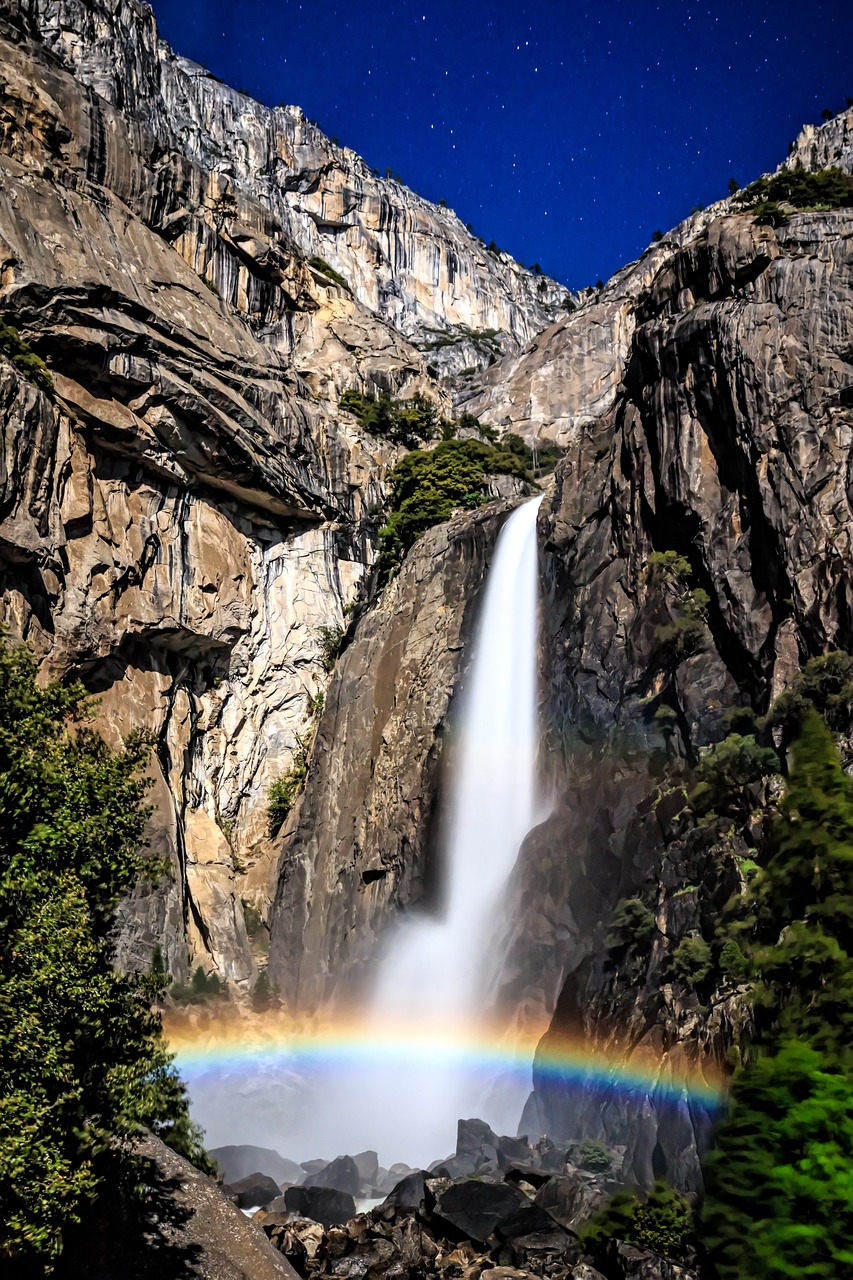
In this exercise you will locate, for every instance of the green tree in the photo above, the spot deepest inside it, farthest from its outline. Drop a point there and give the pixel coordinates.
(779, 1197)
(427, 486)
(83, 1068)
(662, 1223)
(779, 1203)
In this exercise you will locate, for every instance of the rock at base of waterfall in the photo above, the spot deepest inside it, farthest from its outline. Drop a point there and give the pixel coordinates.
(419, 1238)
(341, 1174)
(475, 1138)
(511, 1151)
(573, 1198)
(322, 1204)
(254, 1192)
(311, 1167)
(407, 1195)
(367, 1163)
(471, 1209)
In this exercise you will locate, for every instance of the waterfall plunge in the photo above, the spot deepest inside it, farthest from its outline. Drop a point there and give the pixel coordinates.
(410, 1063)
(435, 972)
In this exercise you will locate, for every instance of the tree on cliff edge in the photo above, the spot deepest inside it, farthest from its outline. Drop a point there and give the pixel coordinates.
(83, 1070)
(779, 1200)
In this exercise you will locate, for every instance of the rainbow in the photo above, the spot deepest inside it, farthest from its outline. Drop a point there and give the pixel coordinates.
(208, 1047)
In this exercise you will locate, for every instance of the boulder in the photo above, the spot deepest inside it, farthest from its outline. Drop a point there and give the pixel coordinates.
(527, 1173)
(312, 1167)
(194, 1230)
(533, 1239)
(469, 1210)
(341, 1174)
(367, 1163)
(408, 1194)
(512, 1151)
(475, 1138)
(236, 1162)
(321, 1204)
(254, 1192)
(625, 1262)
(572, 1199)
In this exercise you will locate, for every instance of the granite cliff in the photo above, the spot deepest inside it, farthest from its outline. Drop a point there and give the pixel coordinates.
(185, 507)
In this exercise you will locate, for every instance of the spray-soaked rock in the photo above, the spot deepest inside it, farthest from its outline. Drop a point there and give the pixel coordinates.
(322, 1204)
(342, 1174)
(255, 1191)
(470, 1210)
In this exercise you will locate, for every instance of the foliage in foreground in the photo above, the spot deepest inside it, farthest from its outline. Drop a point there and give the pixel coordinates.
(779, 1200)
(83, 1069)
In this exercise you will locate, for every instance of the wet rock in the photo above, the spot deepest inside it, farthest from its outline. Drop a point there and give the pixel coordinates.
(512, 1151)
(625, 1262)
(342, 1174)
(470, 1210)
(572, 1199)
(321, 1204)
(585, 1271)
(367, 1164)
(519, 1173)
(255, 1191)
(407, 1195)
(474, 1137)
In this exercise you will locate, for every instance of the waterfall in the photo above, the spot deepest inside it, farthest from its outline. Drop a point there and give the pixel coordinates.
(435, 972)
(419, 1054)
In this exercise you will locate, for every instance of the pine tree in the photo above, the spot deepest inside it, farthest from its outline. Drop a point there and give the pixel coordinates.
(83, 1069)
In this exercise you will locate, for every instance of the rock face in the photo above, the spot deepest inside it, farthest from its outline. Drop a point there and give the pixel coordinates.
(204, 1235)
(188, 509)
(357, 848)
(724, 437)
(410, 262)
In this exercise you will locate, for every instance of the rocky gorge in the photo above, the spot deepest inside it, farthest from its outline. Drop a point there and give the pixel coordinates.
(190, 523)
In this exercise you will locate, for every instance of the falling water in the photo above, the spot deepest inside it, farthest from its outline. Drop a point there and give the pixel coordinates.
(436, 971)
(404, 1095)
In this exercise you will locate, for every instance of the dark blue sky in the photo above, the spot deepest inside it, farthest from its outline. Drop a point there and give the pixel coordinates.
(566, 131)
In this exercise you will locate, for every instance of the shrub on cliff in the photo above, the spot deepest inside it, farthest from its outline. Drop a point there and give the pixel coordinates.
(797, 188)
(428, 486)
(405, 422)
(662, 1223)
(83, 1069)
(725, 772)
(25, 360)
(632, 924)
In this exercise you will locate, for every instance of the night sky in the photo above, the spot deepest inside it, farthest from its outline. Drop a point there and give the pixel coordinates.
(567, 132)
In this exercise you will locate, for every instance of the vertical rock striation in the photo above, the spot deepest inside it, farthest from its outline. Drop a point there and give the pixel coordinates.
(724, 436)
(361, 847)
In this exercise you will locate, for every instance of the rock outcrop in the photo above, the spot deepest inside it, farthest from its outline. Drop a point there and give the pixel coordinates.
(725, 439)
(412, 263)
